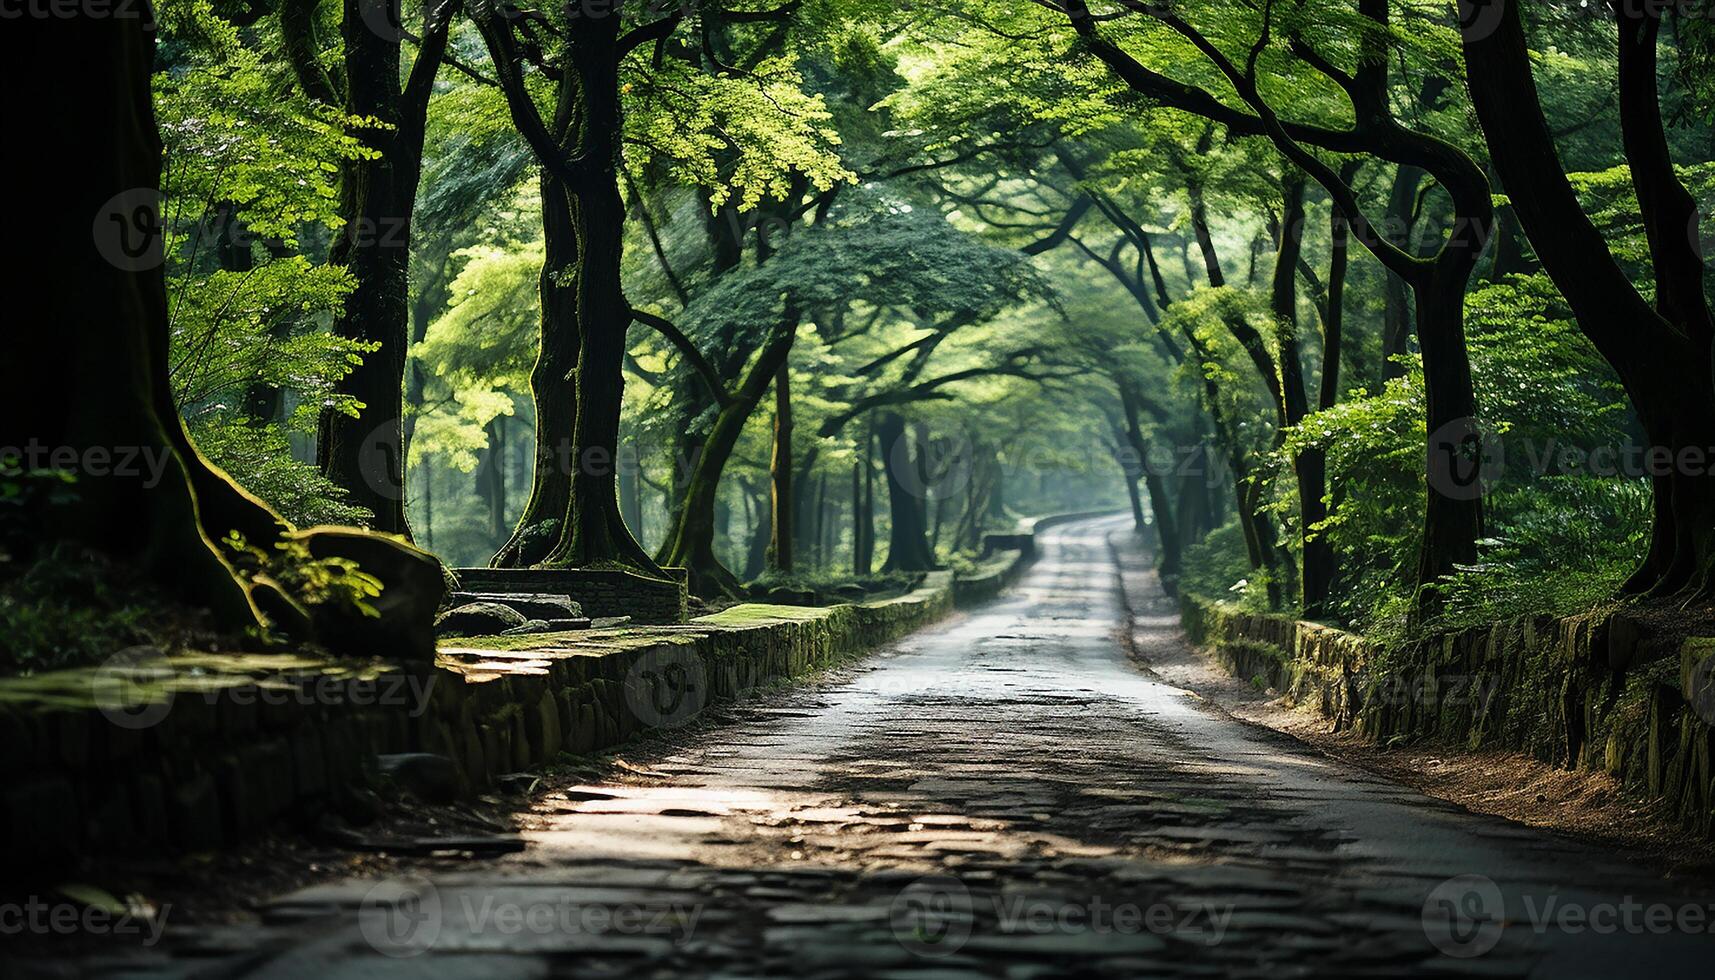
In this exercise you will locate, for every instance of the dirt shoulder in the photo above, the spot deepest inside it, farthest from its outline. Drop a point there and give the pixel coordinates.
(1591, 807)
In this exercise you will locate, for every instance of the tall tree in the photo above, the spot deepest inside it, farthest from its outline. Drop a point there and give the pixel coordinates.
(364, 454)
(1662, 352)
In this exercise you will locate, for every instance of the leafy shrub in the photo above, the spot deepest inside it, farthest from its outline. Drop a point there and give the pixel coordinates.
(1558, 539)
(260, 458)
(1218, 567)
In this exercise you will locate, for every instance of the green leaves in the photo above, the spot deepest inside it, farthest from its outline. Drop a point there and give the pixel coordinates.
(743, 136)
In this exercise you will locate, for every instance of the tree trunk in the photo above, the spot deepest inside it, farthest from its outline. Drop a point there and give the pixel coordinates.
(756, 560)
(98, 378)
(631, 494)
(364, 455)
(97, 394)
(1316, 556)
(863, 548)
(908, 542)
(551, 387)
(1137, 521)
(1396, 297)
(780, 475)
(428, 506)
(690, 541)
(1453, 515)
(1662, 354)
(491, 476)
(594, 531)
(1167, 532)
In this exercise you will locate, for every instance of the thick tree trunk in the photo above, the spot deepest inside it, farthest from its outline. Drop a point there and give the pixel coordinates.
(594, 531)
(97, 378)
(1453, 516)
(1662, 354)
(551, 387)
(908, 542)
(97, 399)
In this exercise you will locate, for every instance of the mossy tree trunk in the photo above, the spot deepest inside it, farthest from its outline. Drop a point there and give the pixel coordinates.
(97, 392)
(551, 386)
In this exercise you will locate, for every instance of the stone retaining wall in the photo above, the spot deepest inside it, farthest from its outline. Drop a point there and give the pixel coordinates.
(989, 578)
(1539, 685)
(195, 751)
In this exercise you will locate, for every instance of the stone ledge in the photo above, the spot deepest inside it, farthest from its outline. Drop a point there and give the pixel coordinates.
(990, 578)
(1537, 684)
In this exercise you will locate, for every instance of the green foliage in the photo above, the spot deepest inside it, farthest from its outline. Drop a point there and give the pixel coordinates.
(1218, 567)
(249, 193)
(891, 255)
(262, 456)
(1558, 537)
(745, 136)
(72, 608)
(479, 351)
(313, 581)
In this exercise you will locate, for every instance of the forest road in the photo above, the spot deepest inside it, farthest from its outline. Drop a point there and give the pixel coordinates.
(1004, 794)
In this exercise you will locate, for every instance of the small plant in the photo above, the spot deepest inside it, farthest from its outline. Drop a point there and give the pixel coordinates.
(337, 582)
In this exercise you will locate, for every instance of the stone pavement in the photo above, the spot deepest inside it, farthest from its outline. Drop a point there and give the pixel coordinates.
(1005, 794)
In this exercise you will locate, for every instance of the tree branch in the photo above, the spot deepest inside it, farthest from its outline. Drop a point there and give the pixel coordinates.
(692, 355)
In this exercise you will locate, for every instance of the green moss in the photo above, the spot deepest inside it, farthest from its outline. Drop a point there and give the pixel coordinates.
(761, 613)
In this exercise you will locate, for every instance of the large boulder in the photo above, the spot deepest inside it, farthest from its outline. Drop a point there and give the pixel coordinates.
(480, 619)
(411, 588)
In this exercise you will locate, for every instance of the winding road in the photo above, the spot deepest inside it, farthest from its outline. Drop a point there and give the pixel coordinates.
(1010, 793)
